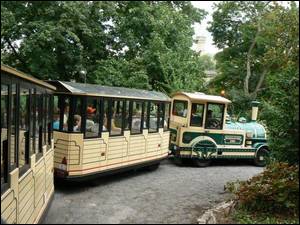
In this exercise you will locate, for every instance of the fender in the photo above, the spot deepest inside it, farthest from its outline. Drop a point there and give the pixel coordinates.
(202, 138)
(258, 146)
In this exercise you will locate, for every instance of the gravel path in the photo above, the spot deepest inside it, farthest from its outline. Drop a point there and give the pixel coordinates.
(171, 194)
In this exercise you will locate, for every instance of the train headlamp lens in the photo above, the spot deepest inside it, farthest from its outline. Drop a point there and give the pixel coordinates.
(249, 134)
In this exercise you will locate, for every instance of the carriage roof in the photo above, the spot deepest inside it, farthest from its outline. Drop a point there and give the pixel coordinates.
(107, 91)
(26, 77)
(203, 97)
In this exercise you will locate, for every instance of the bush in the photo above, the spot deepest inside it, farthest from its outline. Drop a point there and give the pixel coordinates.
(274, 191)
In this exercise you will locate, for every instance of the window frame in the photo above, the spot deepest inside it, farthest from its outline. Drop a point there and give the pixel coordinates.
(142, 117)
(26, 166)
(6, 155)
(110, 100)
(39, 108)
(84, 117)
(222, 120)
(186, 104)
(169, 113)
(203, 110)
(49, 122)
(157, 123)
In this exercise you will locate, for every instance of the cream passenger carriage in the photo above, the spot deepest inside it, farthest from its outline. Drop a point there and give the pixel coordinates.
(200, 131)
(26, 147)
(100, 129)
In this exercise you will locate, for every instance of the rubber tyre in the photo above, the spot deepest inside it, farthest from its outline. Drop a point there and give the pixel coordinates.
(178, 161)
(261, 152)
(202, 162)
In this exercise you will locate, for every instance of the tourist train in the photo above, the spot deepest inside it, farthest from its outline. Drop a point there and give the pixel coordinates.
(27, 147)
(74, 131)
(201, 130)
(100, 130)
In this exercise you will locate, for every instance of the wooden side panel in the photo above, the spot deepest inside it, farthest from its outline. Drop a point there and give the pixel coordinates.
(117, 149)
(29, 195)
(137, 145)
(153, 143)
(9, 207)
(26, 197)
(49, 173)
(94, 151)
(21, 148)
(165, 142)
(68, 145)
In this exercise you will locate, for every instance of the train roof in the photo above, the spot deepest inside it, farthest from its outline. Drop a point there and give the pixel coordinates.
(107, 91)
(203, 97)
(24, 76)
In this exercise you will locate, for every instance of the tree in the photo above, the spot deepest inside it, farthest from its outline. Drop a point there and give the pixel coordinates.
(122, 43)
(261, 52)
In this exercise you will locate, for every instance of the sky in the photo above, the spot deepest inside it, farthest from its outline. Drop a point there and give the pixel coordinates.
(200, 29)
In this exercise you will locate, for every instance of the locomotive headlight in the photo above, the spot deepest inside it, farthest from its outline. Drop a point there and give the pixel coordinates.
(249, 134)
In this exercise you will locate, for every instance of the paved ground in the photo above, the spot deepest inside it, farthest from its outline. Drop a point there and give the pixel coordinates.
(171, 194)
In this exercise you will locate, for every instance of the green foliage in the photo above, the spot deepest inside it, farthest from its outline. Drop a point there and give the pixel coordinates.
(275, 191)
(274, 62)
(242, 216)
(142, 44)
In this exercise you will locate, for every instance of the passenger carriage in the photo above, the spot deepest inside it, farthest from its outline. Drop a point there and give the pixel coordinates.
(100, 129)
(201, 131)
(26, 147)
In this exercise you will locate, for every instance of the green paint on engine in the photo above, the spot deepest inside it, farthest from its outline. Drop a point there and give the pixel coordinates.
(255, 128)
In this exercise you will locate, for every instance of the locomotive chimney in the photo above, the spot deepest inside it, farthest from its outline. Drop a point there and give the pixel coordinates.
(254, 110)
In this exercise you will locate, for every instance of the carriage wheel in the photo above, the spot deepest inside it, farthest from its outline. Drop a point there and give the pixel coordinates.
(202, 162)
(153, 167)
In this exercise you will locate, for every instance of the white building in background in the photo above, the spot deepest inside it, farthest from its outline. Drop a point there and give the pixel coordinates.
(200, 42)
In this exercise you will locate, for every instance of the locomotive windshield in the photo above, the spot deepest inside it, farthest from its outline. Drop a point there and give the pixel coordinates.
(214, 116)
(197, 115)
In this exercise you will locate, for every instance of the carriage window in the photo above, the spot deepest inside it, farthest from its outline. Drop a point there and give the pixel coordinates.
(161, 114)
(39, 123)
(49, 122)
(45, 118)
(180, 108)
(146, 106)
(4, 138)
(13, 137)
(92, 117)
(66, 110)
(56, 113)
(126, 122)
(197, 115)
(77, 113)
(24, 127)
(105, 116)
(116, 118)
(136, 120)
(153, 122)
(214, 116)
(167, 116)
(32, 121)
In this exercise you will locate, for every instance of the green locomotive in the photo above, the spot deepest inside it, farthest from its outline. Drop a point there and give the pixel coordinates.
(201, 131)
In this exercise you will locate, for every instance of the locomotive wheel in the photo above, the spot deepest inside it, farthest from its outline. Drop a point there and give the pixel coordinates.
(202, 162)
(261, 157)
(178, 161)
